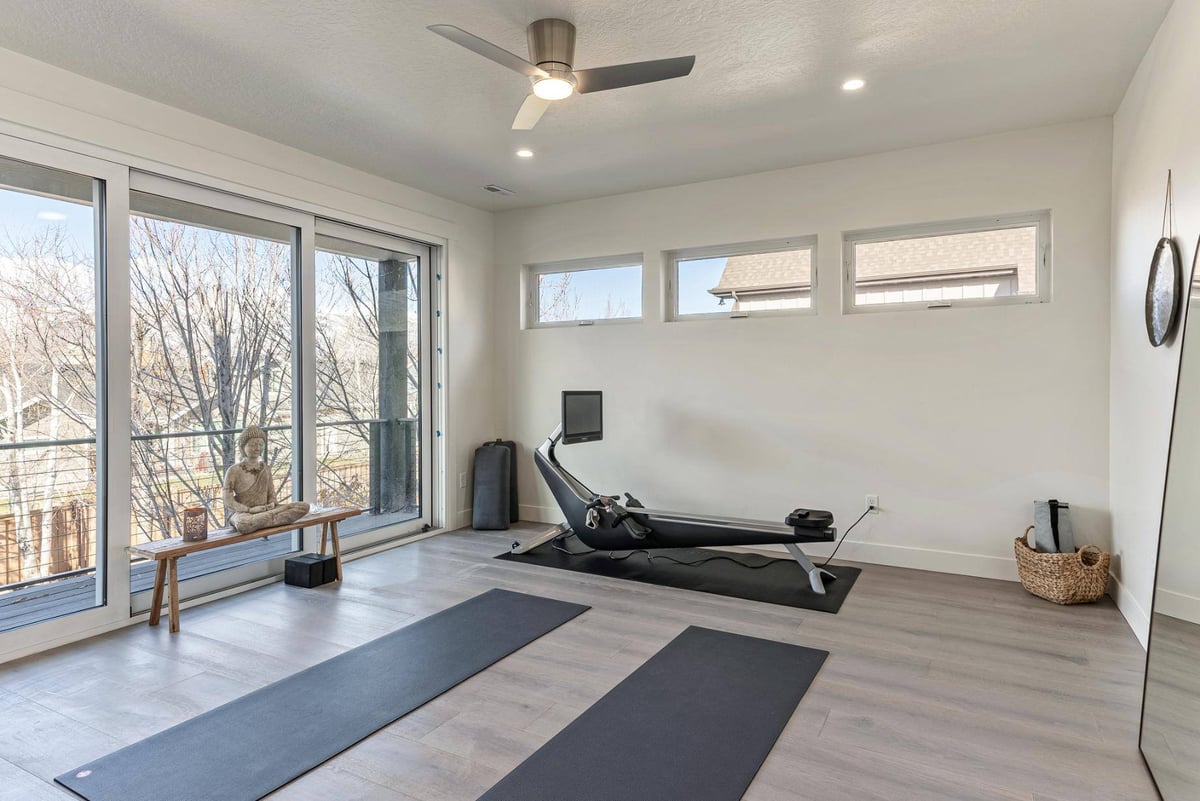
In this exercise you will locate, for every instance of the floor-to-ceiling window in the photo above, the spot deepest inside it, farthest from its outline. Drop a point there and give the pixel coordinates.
(144, 324)
(51, 529)
(371, 346)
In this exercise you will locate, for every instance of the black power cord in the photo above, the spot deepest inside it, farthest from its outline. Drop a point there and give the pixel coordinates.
(846, 533)
(561, 549)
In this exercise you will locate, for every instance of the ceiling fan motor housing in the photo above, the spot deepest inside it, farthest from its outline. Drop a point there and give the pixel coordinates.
(552, 44)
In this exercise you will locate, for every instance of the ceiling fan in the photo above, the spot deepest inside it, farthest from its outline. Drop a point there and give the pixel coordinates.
(551, 55)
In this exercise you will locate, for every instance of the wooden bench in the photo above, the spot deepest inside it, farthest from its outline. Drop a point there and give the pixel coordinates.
(167, 552)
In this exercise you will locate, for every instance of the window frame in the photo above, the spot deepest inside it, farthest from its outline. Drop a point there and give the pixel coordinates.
(1040, 219)
(671, 276)
(531, 273)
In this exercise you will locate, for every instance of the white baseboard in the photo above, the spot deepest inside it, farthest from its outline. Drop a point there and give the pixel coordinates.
(541, 514)
(1135, 616)
(940, 561)
(462, 519)
(1176, 604)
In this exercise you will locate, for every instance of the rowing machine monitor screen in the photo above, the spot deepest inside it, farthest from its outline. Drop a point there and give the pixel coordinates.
(582, 417)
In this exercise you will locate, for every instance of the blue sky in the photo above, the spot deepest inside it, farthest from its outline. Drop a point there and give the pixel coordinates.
(696, 277)
(594, 288)
(623, 285)
(19, 217)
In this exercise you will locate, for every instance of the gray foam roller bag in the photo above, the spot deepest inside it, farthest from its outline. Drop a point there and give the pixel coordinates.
(490, 502)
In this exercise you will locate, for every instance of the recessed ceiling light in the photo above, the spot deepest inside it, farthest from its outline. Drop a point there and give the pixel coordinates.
(525, 153)
(853, 85)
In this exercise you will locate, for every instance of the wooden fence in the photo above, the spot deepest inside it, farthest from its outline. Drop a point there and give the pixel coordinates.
(71, 534)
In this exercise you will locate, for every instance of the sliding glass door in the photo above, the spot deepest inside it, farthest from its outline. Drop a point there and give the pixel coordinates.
(214, 318)
(53, 247)
(371, 391)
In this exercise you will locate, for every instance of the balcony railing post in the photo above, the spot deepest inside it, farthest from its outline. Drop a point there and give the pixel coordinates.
(411, 473)
(374, 476)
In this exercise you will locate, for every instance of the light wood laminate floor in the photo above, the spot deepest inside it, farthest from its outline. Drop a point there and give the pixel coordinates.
(938, 687)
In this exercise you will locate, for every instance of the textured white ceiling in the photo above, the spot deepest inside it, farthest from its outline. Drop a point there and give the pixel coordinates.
(363, 83)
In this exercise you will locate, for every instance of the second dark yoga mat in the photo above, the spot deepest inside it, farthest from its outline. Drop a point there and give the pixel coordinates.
(251, 746)
(780, 582)
(692, 724)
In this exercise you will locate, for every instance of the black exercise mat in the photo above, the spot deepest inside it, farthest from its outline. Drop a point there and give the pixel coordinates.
(251, 746)
(692, 724)
(782, 582)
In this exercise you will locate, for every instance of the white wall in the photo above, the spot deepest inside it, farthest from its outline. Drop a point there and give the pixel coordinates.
(958, 419)
(1156, 128)
(53, 106)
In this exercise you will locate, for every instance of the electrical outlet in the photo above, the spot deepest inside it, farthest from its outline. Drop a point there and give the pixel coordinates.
(462, 480)
(873, 504)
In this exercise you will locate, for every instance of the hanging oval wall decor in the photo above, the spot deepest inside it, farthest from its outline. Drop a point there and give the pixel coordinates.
(1166, 276)
(1162, 291)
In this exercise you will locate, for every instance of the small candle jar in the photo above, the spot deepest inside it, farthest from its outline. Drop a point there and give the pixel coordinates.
(195, 524)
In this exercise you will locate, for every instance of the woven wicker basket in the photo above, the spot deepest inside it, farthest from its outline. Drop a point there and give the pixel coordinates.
(1064, 578)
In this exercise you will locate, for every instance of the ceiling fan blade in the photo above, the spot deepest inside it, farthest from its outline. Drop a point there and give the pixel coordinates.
(530, 112)
(601, 78)
(488, 50)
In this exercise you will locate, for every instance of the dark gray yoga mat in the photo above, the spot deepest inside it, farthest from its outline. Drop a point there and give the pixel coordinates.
(692, 724)
(249, 747)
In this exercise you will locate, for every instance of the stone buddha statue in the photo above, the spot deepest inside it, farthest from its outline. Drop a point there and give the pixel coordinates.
(249, 491)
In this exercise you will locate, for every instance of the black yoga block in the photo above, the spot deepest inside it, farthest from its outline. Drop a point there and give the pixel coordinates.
(309, 570)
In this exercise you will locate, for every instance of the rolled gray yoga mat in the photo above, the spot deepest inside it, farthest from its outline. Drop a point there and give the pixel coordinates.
(252, 746)
(692, 724)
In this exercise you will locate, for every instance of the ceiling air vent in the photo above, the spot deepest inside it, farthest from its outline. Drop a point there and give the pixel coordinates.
(499, 190)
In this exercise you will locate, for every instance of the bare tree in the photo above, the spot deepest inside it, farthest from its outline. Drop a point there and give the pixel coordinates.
(350, 377)
(614, 308)
(47, 346)
(212, 353)
(558, 300)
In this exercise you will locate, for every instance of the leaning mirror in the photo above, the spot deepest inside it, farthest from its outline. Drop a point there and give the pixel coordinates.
(1170, 737)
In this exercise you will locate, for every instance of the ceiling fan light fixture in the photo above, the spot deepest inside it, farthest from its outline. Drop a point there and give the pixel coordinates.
(553, 88)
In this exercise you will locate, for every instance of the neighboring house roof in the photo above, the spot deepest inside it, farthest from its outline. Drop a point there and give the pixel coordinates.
(943, 277)
(954, 254)
(765, 272)
(919, 259)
